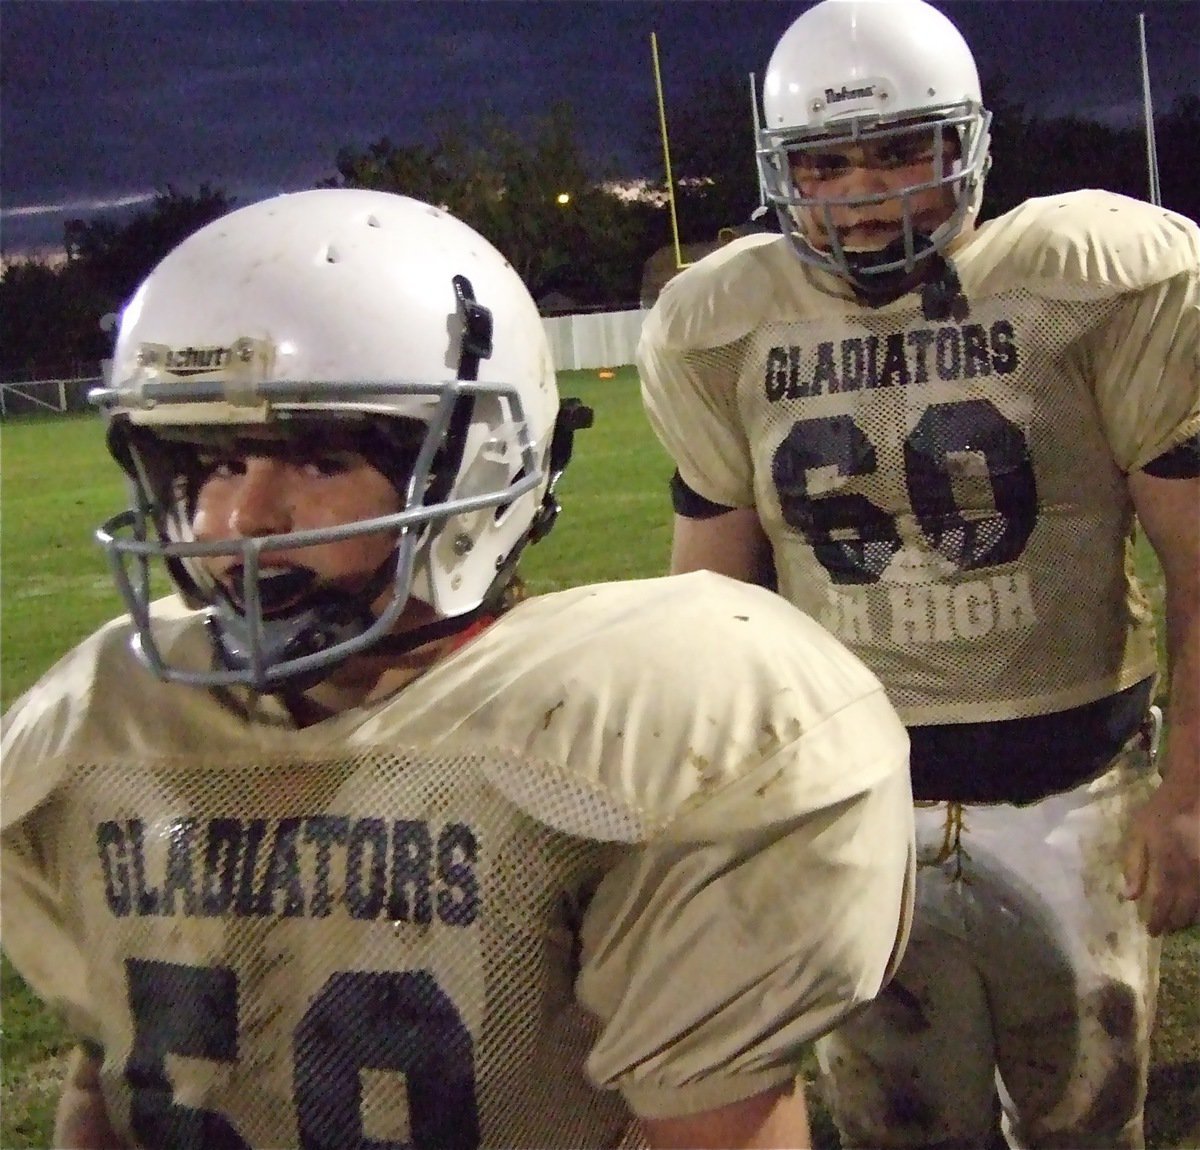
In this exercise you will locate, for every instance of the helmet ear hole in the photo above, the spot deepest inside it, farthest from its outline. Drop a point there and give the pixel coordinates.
(502, 508)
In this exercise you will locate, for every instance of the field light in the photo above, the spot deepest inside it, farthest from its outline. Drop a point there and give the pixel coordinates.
(563, 198)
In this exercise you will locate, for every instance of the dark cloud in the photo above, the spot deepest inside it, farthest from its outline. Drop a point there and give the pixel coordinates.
(110, 100)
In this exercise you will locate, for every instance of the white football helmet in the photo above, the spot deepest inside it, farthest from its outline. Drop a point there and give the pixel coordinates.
(848, 71)
(314, 314)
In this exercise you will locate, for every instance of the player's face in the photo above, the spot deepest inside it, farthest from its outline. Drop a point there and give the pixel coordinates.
(872, 168)
(272, 487)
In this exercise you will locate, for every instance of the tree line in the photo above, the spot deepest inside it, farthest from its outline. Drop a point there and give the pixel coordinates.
(558, 220)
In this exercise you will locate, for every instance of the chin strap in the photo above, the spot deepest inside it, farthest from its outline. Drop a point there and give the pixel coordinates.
(877, 288)
(942, 296)
(326, 619)
(322, 619)
(469, 621)
(336, 619)
(573, 415)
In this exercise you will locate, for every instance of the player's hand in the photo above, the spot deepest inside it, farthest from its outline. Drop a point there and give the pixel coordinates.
(81, 1120)
(1162, 857)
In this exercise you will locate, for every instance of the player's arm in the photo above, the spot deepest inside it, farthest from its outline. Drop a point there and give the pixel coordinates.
(711, 537)
(731, 544)
(774, 1119)
(81, 1120)
(38, 940)
(1162, 860)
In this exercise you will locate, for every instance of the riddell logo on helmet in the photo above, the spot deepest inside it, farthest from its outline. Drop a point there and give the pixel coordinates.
(838, 95)
(195, 360)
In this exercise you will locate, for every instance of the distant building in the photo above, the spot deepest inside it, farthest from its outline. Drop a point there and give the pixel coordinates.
(557, 303)
(662, 266)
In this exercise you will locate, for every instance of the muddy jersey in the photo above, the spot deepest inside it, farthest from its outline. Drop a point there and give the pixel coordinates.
(632, 846)
(948, 495)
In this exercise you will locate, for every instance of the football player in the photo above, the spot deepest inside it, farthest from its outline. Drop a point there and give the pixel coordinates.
(340, 847)
(937, 435)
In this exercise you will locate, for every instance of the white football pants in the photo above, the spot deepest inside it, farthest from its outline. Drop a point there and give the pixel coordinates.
(1026, 974)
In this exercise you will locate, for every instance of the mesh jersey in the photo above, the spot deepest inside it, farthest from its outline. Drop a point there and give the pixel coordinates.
(948, 497)
(433, 920)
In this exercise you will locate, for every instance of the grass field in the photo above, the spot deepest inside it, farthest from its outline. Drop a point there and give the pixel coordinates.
(58, 484)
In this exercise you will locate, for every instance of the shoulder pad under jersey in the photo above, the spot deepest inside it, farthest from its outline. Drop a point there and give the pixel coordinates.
(620, 711)
(96, 700)
(721, 297)
(1095, 241)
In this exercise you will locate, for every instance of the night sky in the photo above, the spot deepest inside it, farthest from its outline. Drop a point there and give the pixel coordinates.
(104, 102)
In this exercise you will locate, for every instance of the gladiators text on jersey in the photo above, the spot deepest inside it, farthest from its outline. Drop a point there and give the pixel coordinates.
(949, 352)
(406, 870)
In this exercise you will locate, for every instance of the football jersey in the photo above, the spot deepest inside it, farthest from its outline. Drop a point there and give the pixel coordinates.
(633, 845)
(949, 496)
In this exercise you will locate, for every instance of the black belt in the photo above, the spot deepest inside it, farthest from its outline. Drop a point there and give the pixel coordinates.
(1024, 760)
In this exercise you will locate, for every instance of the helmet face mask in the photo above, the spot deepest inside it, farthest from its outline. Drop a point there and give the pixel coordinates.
(894, 80)
(309, 356)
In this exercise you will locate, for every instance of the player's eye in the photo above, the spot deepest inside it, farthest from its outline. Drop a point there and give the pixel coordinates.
(822, 165)
(905, 153)
(316, 460)
(326, 465)
(218, 464)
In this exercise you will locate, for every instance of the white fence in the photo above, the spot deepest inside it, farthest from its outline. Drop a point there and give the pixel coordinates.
(46, 395)
(602, 339)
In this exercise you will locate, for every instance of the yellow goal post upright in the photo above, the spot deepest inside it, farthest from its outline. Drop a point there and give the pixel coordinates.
(662, 129)
(666, 146)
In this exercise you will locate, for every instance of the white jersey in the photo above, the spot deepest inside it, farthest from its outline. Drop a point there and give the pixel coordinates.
(949, 496)
(632, 844)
